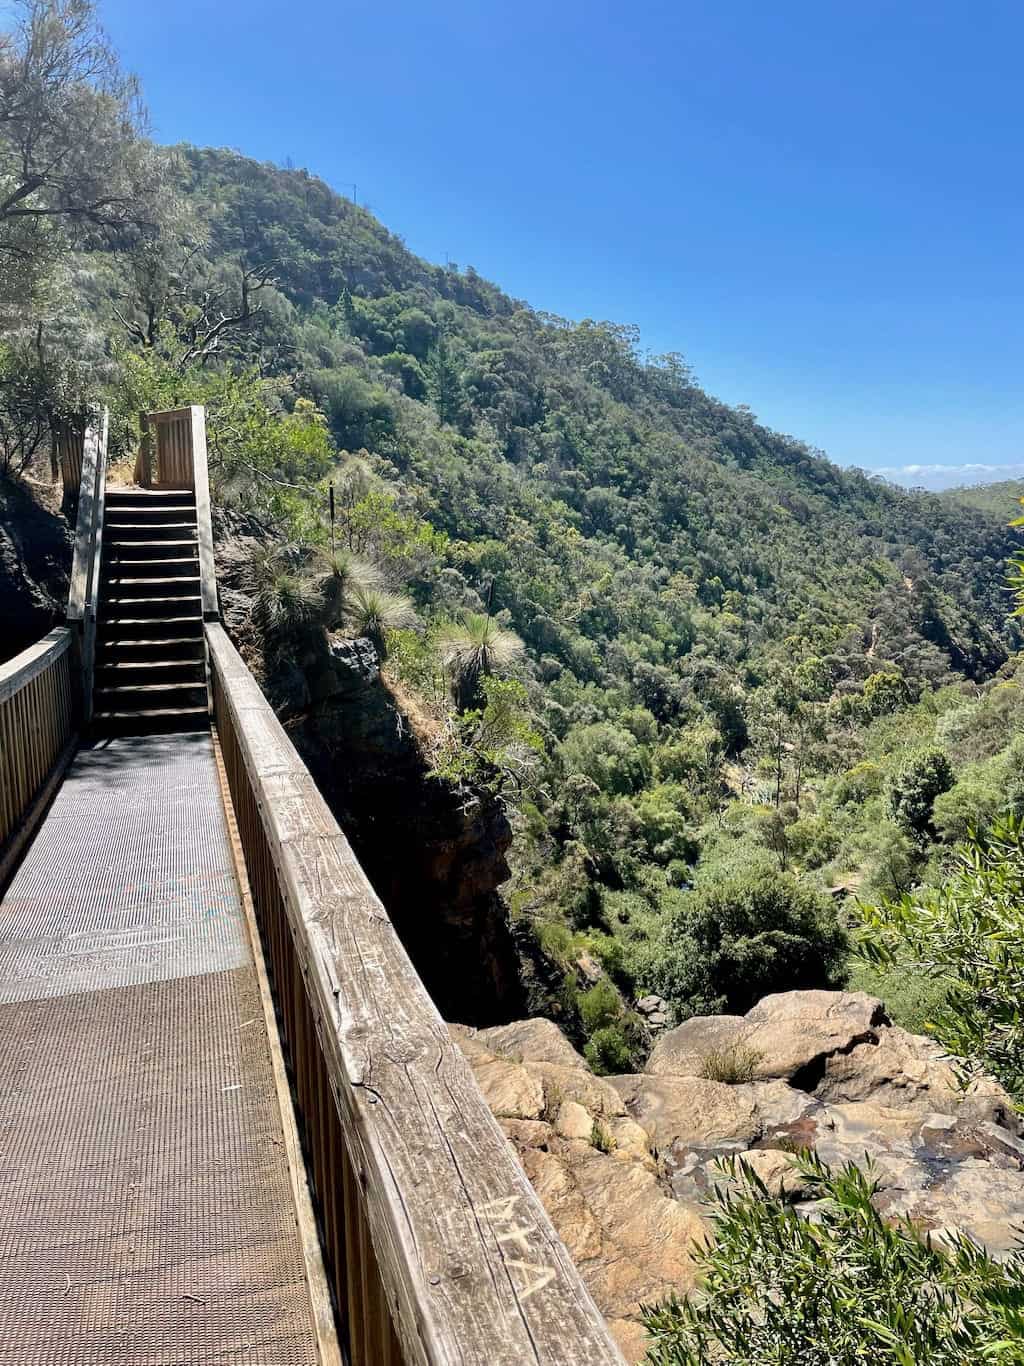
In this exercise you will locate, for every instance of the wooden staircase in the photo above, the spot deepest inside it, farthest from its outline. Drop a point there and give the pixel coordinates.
(150, 651)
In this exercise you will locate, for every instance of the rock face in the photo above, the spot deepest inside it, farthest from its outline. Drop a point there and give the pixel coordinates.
(435, 861)
(35, 562)
(624, 1164)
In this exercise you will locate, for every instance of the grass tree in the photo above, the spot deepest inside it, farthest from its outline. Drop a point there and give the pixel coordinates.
(341, 576)
(472, 649)
(373, 612)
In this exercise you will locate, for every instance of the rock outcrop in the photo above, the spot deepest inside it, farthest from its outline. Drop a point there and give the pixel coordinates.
(435, 857)
(624, 1164)
(35, 562)
(435, 860)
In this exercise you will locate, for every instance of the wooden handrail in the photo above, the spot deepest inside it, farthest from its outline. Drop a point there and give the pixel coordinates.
(83, 590)
(38, 736)
(438, 1248)
(204, 521)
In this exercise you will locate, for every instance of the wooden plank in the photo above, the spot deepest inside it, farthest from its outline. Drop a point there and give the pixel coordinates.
(20, 670)
(81, 564)
(472, 1268)
(204, 522)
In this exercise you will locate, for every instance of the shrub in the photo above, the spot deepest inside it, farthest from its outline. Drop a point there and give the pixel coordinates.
(733, 941)
(600, 1138)
(857, 784)
(885, 693)
(608, 1051)
(970, 933)
(599, 1006)
(609, 755)
(848, 1289)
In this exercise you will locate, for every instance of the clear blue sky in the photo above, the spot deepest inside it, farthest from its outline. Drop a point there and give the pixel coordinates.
(820, 204)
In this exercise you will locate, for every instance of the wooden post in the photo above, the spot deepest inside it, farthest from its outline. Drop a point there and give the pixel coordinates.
(204, 522)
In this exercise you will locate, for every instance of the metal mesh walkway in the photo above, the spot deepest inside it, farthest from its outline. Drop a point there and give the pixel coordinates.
(147, 1207)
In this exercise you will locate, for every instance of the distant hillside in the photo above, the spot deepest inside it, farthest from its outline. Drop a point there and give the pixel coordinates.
(634, 527)
(1000, 500)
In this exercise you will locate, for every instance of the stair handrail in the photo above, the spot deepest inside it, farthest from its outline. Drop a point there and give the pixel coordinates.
(172, 454)
(83, 590)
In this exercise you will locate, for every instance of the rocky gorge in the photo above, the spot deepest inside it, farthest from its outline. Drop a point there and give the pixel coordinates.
(623, 1163)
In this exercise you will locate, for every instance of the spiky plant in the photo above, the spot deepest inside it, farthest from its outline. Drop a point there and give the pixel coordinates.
(373, 612)
(286, 604)
(474, 647)
(339, 574)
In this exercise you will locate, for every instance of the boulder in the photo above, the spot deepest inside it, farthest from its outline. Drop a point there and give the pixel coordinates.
(560, 1084)
(790, 1035)
(683, 1051)
(909, 1071)
(795, 1032)
(629, 1238)
(509, 1089)
(574, 1122)
(536, 1040)
(690, 1112)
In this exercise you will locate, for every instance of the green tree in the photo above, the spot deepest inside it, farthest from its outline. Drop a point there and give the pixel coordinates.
(885, 693)
(473, 649)
(374, 612)
(609, 755)
(728, 944)
(969, 932)
(913, 789)
(444, 380)
(340, 574)
(74, 164)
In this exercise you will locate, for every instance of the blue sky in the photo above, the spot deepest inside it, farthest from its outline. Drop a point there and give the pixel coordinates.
(819, 204)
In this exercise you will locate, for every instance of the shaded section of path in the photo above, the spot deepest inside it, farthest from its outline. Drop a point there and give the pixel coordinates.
(147, 1207)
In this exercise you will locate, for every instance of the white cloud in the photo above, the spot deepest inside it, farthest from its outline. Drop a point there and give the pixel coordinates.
(950, 476)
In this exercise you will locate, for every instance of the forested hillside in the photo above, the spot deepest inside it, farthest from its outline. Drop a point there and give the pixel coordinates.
(710, 675)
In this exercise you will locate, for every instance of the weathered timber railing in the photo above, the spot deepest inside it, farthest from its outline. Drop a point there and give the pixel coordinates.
(437, 1247)
(38, 736)
(173, 455)
(83, 591)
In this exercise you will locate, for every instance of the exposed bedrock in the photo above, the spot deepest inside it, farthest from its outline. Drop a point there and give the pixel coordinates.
(623, 1163)
(435, 858)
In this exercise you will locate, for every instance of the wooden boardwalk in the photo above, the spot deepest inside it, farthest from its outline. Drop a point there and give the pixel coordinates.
(148, 1213)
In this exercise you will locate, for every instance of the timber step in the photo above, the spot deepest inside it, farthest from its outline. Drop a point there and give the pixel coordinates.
(193, 619)
(150, 649)
(116, 524)
(118, 644)
(156, 547)
(129, 722)
(173, 585)
(153, 604)
(151, 566)
(127, 669)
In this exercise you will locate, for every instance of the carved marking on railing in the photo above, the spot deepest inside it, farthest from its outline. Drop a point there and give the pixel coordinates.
(499, 1214)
